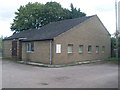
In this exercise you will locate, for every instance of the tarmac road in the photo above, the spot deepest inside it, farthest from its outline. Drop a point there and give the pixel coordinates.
(94, 75)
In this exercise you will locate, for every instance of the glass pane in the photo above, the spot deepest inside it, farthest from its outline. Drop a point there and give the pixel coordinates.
(89, 48)
(97, 49)
(32, 46)
(28, 46)
(80, 48)
(103, 49)
(70, 48)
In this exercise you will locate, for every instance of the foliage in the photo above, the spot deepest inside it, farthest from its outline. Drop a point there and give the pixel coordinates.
(35, 15)
(119, 42)
(112, 59)
(119, 47)
(113, 43)
(113, 46)
(28, 17)
(76, 13)
(1, 43)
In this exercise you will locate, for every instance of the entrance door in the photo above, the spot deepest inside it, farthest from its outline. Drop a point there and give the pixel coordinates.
(20, 50)
(14, 48)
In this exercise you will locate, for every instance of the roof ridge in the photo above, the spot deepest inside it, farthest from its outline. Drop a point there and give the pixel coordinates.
(72, 19)
(50, 30)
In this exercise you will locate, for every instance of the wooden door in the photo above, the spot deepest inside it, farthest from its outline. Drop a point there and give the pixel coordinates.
(20, 50)
(14, 48)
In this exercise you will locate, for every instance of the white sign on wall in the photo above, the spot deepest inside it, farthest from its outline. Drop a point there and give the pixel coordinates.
(58, 48)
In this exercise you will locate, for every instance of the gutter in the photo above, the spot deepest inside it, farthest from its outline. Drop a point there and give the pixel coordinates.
(51, 51)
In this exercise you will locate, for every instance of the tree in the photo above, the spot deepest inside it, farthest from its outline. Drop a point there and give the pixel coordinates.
(1, 43)
(53, 12)
(28, 17)
(35, 15)
(75, 13)
(119, 47)
(113, 46)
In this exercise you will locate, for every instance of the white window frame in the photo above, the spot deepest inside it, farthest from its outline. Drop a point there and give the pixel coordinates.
(30, 47)
(81, 48)
(58, 48)
(97, 49)
(68, 48)
(90, 50)
(103, 49)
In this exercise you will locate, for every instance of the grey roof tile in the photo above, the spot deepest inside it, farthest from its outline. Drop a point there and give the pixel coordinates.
(50, 30)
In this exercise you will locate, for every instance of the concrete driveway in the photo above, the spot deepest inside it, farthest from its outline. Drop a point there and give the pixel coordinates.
(94, 75)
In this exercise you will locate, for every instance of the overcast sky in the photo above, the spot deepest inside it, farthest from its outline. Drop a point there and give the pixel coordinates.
(105, 9)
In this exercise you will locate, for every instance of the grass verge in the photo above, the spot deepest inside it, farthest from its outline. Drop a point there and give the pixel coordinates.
(113, 59)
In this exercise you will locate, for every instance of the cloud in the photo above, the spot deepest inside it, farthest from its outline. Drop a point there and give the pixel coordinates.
(5, 28)
(108, 19)
(5, 15)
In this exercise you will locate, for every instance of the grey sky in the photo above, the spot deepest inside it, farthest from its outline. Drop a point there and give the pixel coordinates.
(105, 9)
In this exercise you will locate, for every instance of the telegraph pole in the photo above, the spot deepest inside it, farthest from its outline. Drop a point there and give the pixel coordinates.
(116, 13)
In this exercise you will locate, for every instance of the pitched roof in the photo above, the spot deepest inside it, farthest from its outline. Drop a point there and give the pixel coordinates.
(49, 31)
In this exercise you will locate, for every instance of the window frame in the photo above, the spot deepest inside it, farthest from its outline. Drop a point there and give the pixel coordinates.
(30, 47)
(103, 49)
(97, 49)
(68, 48)
(89, 50)
(81, 48)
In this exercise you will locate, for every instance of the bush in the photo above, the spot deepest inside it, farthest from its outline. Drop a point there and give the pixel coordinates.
(1, 44)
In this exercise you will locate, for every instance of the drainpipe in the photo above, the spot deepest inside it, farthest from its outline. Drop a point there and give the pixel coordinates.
(51, 51)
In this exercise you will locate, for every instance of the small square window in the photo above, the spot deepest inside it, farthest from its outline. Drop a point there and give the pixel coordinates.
(97, 49)
(89, 48)
(80, 48)
(70, 48)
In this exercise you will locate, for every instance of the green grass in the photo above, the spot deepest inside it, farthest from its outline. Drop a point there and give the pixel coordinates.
(113, 59)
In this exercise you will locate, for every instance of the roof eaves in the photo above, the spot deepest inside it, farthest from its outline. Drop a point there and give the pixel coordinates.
(36, 40)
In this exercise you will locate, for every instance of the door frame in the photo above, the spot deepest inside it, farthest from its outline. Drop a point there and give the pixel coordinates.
(20, 49)
(14, 48)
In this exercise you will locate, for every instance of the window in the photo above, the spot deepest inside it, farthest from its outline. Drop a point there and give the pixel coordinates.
(30, 47)
(103, 49)
(70, 48)
(89, 49)
(97, 49)
(80, 48)
(58, 48)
